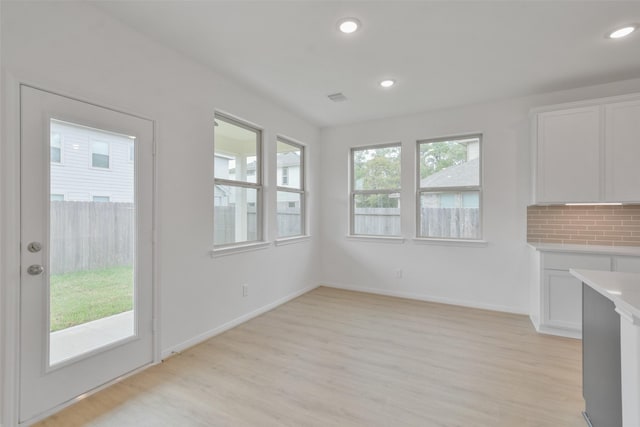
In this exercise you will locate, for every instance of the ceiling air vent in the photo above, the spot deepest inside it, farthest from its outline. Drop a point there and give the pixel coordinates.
(337, 97)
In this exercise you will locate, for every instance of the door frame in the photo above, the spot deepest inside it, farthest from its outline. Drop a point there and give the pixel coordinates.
(10, 268)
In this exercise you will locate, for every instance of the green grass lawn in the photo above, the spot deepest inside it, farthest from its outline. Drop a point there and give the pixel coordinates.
(83, 296)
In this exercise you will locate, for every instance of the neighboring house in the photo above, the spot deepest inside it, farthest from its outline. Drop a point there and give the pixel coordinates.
(463, 175)
(287, 175)
(90, 164)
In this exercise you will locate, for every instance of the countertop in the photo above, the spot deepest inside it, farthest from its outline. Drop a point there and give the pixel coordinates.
(593, 249)
(621, 288)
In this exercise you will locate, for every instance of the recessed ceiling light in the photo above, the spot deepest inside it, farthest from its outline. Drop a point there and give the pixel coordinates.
(622, 32)
(387, 83)
(348, 25)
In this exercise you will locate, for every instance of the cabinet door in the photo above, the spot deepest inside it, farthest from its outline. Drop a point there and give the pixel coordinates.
(563, 300)
(626, 264)
(622, 152)
(568, 158)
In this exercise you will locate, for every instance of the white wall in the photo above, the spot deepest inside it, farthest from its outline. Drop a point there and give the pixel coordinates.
(78, 50)
(494, 276)
(75, 49)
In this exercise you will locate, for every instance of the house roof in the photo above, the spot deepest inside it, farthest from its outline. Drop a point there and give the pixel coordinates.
(462, 175)
(288, 159)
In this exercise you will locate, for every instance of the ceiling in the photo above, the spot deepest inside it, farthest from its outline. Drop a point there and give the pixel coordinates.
(442, 53)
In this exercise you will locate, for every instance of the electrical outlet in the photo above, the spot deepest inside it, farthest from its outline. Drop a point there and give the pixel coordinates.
(245, 290)
(398, 273)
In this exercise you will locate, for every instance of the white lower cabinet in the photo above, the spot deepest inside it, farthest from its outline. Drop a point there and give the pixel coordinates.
(563, 308)
(626, 264)
(560, 294)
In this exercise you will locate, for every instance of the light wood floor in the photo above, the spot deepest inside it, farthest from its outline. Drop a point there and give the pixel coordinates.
(340, 358)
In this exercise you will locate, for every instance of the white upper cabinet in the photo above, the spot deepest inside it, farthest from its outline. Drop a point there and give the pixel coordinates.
(569, 155)
(622, 151)
(588, 152)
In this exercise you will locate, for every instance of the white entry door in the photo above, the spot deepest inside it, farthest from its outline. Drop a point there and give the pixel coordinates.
(86, 311)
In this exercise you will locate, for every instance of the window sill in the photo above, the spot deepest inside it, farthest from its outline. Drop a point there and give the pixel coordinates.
(451, 242)
(220, 252)
(377, 239)
(292, 240)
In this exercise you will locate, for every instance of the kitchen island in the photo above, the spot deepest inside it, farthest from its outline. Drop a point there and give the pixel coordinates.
(611, 347)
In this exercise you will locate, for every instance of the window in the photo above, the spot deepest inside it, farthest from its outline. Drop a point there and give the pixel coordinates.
(132, 152)
(375, 190)
(56, 148)
(101, 199)
(237, 167)
(291, 189)
(100, 154)
(57, 197)
(449, 188)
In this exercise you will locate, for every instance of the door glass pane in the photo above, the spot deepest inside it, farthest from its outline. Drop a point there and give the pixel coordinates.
(91, 246)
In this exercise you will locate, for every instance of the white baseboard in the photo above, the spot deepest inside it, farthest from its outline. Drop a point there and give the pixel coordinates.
(560, 332)
(429, 298)
(233, 323)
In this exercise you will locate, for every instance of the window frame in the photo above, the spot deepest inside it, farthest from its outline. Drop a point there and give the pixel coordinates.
(479, 188)
(302, 192)
(258, 185)
(353, 192)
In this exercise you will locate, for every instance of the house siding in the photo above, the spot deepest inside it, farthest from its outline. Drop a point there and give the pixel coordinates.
(77, 180)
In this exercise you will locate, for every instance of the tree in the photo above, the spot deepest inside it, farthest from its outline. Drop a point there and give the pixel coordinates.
(435, 156)
(377, 169)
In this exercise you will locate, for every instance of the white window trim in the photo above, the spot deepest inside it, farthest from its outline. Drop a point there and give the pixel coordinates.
(353, 192)
(450, 242)
(291, 240)
(479, 188)
(229, 248)
(216, 252)
(376, 238)
(302, 191)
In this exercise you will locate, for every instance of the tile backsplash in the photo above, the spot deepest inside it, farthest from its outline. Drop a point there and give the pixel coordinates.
(584, 225)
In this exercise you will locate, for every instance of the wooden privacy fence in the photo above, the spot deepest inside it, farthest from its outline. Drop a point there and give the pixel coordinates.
(434, 222)
(289, 223)
(451, 222)
(90, 235)
(377, 221)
